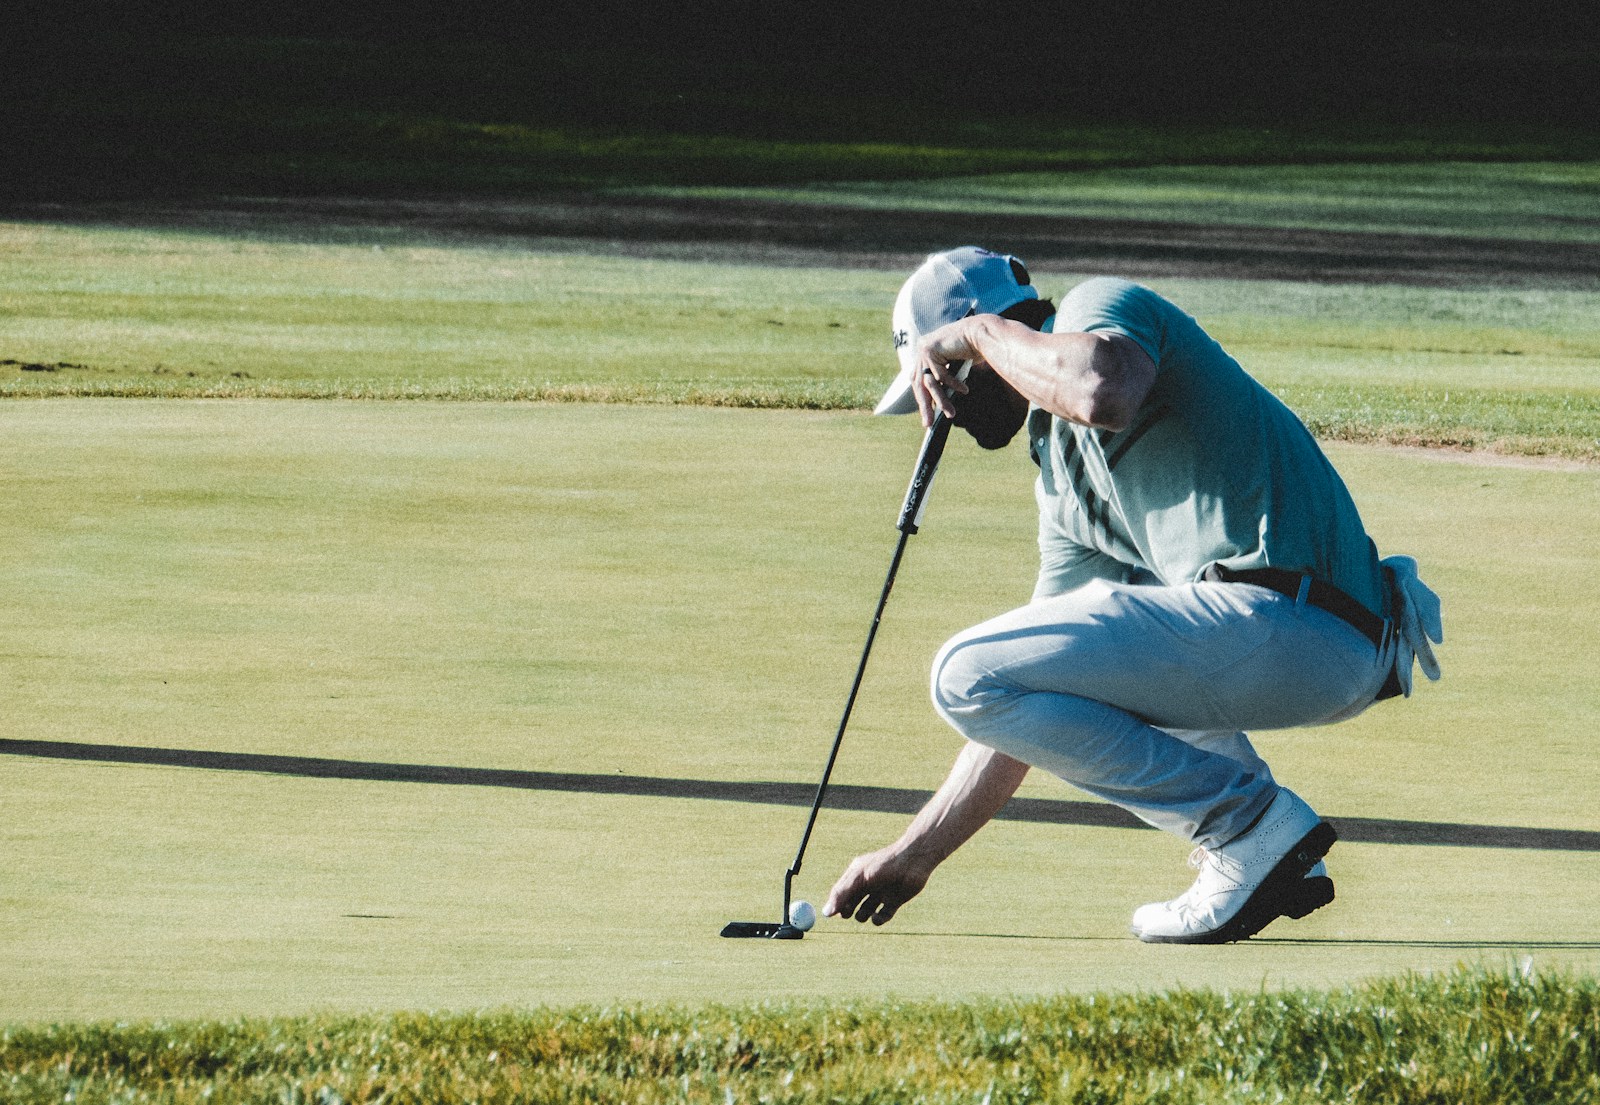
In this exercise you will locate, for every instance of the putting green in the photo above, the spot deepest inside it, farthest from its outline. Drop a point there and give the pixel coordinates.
(677, 593)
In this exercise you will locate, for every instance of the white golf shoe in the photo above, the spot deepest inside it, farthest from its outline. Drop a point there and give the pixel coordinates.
(1272, 871)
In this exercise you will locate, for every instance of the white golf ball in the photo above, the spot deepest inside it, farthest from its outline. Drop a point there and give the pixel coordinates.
(802, 915)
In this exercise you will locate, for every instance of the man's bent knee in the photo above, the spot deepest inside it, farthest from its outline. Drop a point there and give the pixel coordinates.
(963, 680)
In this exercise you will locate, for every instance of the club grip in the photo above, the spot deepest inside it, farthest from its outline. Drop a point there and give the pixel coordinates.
(922, 478)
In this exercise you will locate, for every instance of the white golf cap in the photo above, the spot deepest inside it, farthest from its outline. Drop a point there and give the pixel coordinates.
(949, 286)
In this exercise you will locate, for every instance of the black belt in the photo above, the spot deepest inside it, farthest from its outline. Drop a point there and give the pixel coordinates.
(1324, 596)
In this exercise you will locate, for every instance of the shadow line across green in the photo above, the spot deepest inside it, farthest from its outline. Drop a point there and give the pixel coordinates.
(871, 799)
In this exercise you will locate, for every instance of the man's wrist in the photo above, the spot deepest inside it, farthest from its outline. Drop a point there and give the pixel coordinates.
(918, 855)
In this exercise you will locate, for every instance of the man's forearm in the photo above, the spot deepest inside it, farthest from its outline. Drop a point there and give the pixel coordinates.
(978, 787)
(1093, 379)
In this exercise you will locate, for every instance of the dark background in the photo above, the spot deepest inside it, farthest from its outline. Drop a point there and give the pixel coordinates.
(184, 95)
(1192, 58)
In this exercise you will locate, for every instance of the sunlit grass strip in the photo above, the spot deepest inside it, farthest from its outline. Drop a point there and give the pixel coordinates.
(161, 314)
(1530, 201)
(1473, 1037)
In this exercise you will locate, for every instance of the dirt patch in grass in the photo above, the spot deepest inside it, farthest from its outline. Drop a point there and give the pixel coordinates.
(38, 366)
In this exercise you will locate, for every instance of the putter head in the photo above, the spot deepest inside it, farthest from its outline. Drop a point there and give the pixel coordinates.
(761, 930)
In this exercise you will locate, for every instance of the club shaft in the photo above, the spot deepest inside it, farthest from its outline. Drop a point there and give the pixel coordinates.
(910, 517)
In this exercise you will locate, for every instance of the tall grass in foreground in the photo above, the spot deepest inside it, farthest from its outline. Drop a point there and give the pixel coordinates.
(1464, 1038)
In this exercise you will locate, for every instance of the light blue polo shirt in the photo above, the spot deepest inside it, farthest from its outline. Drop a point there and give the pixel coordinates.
(1213, 469)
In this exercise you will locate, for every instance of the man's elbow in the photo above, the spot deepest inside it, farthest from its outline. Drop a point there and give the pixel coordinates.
(1110, 412)
(1123, 381)
(1104, 403)
(1113, 402)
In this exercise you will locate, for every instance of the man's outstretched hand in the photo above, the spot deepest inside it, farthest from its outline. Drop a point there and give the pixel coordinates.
(875, 886)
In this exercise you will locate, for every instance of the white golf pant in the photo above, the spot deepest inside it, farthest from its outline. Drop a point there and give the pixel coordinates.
(1138, 693)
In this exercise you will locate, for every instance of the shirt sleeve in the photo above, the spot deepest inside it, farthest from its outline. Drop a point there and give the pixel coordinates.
(1107, 305)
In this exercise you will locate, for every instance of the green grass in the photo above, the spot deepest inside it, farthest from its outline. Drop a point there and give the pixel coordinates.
(682, 593)
(391, 314)
(170, 314)
(1469, 1038)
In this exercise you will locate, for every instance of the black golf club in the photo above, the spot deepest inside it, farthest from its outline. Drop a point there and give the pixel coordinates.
(910, 519)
